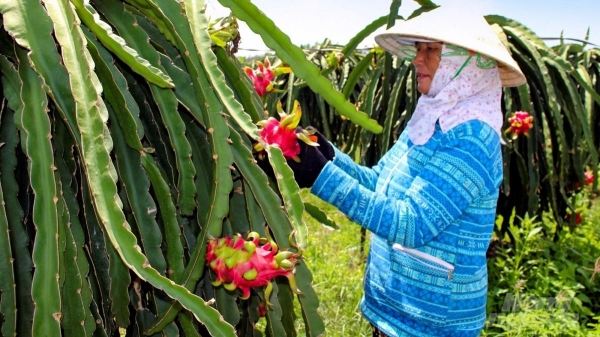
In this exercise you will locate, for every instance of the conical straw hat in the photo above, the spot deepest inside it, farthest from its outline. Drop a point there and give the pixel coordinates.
(462, 30)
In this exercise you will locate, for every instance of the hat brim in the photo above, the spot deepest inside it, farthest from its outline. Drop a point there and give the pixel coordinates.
(476, 35)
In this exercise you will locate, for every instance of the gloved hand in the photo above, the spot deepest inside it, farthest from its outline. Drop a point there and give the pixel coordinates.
(312, 160)
(324, 145)
(310, 166)
(262, 160)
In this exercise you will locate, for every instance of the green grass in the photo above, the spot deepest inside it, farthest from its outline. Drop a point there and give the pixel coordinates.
(338, 266)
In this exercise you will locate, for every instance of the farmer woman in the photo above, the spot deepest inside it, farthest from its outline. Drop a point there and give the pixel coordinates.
(430, 202)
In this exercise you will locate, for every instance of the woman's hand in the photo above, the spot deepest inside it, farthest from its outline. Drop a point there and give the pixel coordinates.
(324, 146)
(312, 160)
(310, 166)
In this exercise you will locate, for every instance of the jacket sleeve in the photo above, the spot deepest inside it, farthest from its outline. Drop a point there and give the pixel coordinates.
(367, 177)
(461, 170)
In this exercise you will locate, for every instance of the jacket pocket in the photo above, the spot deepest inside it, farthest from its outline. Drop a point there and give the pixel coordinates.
(419, 285)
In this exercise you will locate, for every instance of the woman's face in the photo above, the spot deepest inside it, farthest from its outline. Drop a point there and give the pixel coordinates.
(426, 63)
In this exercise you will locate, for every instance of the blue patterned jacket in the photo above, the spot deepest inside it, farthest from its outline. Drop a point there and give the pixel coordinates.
(431, 212)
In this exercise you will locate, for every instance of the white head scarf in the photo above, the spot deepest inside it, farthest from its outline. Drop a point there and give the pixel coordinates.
(474, 94)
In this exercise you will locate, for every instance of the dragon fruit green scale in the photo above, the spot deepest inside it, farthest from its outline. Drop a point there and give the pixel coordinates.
(246, 264)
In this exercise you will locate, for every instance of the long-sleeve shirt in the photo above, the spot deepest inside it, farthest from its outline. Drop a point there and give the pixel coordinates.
(424, 204)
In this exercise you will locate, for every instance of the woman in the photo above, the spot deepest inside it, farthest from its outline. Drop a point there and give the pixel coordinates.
(430, 202)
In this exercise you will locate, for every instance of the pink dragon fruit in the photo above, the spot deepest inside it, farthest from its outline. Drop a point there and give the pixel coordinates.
(263, 76)
(588, 177)
(245, 264)
(283, 133)
(577, 220)
(520, 123)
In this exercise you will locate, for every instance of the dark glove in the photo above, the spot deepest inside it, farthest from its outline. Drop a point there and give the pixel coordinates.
(311, 163)
(324, 145)
(262, 160)
(306, 171)
(312, 159)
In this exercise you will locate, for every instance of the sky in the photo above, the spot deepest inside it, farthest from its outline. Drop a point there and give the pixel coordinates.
(311, 21)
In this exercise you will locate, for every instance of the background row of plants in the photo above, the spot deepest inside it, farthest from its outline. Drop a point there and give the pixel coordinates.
(126, 134)
(543, 278)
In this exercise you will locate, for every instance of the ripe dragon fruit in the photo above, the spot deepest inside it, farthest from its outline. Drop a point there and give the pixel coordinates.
(284, 133)
(577, 219)
(588, 177)
(520, 122)
(245, 264)
(263, 76)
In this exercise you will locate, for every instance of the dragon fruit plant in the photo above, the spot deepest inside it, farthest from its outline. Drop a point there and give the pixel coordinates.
(245, 264)
(284, 133)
